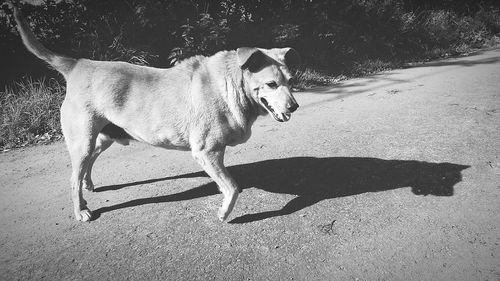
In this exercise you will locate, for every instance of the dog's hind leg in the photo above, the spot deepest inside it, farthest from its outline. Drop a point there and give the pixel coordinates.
(103, 142)
(80, 129)
(213, 163)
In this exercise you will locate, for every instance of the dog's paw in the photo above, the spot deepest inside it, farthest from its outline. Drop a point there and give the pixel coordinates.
(84, 215)
(222, 214)
(88, 185)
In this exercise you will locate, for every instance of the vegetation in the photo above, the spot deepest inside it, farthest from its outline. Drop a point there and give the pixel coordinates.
(29, 112)
(335, 38)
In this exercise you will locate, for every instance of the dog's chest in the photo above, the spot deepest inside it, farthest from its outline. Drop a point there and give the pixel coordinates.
(237, 135)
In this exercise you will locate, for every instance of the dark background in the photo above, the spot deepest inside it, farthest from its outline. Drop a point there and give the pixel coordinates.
(332, 36)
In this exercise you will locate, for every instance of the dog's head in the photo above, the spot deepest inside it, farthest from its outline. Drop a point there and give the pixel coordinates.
(267, 74)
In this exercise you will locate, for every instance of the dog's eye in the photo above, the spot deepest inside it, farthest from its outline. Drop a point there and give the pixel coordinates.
(272, 85)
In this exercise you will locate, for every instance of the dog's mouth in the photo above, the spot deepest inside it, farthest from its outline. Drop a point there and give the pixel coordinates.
(280, 117)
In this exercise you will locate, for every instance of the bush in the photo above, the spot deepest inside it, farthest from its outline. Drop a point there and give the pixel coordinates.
(202, 37)
(449, 31)
(29, 112)
(334, 36)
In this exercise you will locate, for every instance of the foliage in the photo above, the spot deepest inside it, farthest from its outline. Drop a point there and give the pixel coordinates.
(203, 36)
(29, 112)
(334, 36)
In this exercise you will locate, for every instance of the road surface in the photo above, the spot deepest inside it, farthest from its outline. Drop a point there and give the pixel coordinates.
(391, 177)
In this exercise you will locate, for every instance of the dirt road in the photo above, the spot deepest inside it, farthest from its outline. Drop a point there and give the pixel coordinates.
(390, 177)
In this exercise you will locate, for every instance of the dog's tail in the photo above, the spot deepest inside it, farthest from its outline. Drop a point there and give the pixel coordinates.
(60, 63)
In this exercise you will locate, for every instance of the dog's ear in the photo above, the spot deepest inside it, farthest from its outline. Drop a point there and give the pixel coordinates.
(250, 58)
(292, 58)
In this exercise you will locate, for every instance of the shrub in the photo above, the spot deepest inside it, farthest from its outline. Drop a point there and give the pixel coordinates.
(204, 36)
(29, 112)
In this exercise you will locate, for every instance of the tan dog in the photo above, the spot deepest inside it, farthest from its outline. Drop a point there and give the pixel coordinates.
(203, 104)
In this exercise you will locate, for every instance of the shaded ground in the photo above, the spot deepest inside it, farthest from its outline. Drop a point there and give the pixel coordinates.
(390, 177)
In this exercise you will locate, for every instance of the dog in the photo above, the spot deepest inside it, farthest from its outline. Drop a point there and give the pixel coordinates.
(201, 105)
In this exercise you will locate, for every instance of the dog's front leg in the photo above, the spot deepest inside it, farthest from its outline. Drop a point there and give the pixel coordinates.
(213, 163)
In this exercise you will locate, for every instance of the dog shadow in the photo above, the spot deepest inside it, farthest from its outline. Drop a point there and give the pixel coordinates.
(315, 179)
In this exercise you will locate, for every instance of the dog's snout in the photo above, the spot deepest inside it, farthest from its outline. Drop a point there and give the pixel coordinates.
(293, 107)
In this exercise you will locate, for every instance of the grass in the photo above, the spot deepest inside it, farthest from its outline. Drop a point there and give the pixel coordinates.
(307, 78)
(29, 112)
